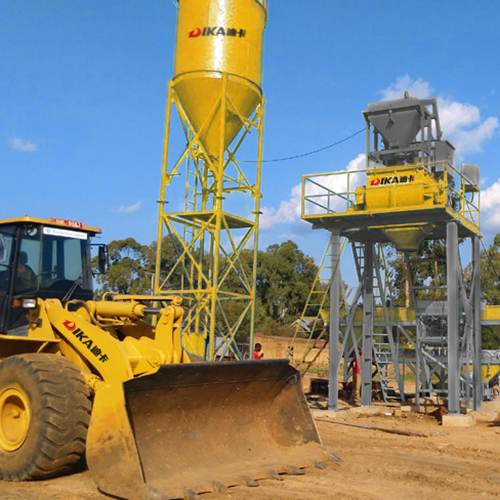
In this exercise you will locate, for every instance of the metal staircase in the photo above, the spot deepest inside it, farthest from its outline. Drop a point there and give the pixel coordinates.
(313, 312)
(385, 351)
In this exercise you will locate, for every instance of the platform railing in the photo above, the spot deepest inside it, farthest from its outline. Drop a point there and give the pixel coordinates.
(335, 192)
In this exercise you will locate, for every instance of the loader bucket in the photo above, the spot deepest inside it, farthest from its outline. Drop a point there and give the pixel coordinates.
(193, 428)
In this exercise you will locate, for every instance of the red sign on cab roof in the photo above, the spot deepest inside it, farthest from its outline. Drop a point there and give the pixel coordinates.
(70, 223)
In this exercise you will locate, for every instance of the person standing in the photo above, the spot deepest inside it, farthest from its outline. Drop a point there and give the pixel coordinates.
(257, 352)
(356, 378)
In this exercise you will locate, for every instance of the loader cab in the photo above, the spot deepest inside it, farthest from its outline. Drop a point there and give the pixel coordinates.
(42, 259)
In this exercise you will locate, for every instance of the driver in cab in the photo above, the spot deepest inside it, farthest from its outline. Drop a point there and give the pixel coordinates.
(25, 276)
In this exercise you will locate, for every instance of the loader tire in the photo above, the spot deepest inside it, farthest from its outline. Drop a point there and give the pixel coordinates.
(44, 416)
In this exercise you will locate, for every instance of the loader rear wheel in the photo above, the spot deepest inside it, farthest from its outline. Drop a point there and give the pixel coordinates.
(44, 416)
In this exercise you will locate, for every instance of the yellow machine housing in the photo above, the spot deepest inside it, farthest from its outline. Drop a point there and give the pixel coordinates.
(390, 189)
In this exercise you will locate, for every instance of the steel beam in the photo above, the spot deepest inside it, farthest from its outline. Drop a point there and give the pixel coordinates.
(452, 269)
(476, 325)
(333, 367)
(366, 365)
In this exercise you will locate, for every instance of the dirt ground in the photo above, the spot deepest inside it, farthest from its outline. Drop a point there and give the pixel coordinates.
(447, 462)
(444, 463)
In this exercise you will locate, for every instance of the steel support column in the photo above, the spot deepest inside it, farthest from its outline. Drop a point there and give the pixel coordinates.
(476, 325)
(366, 365)
(452, 270)
(333, 366)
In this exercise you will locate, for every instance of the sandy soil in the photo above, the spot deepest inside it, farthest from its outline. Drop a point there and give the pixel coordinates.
(449, 462)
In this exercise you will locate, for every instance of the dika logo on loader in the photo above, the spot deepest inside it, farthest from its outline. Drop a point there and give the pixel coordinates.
(70, 325)
(86, 341)
(397, 179)
(217, 31)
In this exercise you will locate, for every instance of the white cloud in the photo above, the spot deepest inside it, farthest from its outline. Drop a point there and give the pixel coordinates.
(454, 116)
(472, 140)
(23, 145)
(418, 88)
(358, 163)
(288, 211)
(128, 210)
(461, 123)
(490, 197)
(490, 207)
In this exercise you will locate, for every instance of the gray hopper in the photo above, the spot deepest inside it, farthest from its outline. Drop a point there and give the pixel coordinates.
(397, 121)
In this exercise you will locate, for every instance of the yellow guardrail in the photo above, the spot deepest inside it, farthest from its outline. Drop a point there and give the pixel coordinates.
(342, 192)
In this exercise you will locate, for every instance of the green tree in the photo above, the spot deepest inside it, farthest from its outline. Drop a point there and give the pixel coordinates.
(490, 288)
(489, 339)
(490, 272)
(284, 279)
(170, 266)
(132, 267)
(127, 273)
(431, 272)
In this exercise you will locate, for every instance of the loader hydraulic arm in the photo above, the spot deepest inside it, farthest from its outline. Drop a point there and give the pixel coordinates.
(112, 339)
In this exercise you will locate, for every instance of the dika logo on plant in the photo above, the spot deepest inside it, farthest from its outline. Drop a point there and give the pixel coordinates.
(396, 179)
(217, 31)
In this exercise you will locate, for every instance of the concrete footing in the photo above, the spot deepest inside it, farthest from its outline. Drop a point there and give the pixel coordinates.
(326, 413)
(459, 420)
(466, 418)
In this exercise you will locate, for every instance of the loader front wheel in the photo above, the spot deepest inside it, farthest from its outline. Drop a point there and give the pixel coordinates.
(44, 416)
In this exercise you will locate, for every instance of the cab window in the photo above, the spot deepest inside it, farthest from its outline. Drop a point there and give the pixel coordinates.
(28, 262)
(6, 244)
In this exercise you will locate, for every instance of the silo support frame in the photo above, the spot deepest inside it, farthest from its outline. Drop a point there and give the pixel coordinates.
(210, 241)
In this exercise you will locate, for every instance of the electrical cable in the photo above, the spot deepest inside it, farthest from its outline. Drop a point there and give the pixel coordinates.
(309, 153)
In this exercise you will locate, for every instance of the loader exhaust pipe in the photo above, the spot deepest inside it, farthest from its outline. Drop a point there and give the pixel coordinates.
(193, 428)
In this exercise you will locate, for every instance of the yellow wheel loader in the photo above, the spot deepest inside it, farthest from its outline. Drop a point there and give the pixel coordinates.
(91, 379)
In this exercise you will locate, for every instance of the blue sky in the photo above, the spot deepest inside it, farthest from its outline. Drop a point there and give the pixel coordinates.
(83, 89)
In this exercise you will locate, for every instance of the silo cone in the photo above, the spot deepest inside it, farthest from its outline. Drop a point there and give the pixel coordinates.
(218, 64)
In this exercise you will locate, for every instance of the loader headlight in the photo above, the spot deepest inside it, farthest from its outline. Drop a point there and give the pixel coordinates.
(28, 303)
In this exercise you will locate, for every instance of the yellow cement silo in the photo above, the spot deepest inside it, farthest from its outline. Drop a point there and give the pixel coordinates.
(219, 44)
(216, 93)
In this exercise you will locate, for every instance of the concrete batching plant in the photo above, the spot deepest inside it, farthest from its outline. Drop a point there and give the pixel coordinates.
(409, 191)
